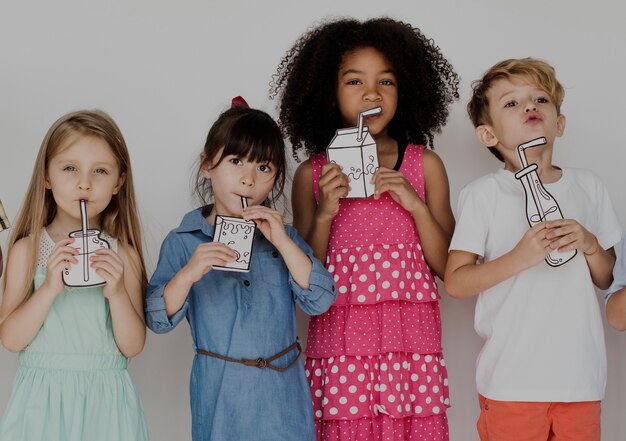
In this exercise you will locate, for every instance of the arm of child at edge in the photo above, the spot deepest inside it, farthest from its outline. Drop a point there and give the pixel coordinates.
(616, 310)
(616, 303)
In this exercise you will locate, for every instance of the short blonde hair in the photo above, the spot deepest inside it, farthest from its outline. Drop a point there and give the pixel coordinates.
(537, 72)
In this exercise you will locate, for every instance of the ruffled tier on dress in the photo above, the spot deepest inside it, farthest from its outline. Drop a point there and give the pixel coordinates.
(397, 384)
(384, 429)
(380, 273)
(374, 360)
(391, 326)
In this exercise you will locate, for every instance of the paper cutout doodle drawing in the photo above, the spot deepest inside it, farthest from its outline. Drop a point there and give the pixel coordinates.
(238, 234)
(4, 219)
(86, 241)
(540, 204)
(355, 150)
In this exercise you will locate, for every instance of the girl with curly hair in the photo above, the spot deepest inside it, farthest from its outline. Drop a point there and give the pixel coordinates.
(374, 360)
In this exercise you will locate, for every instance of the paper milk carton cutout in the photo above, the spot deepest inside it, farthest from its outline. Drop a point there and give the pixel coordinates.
(86, 241)
(238, 234)
(4, 219)
(540, 204)
(356, 152)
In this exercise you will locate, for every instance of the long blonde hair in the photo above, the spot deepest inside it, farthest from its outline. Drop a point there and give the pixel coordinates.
(119, 218)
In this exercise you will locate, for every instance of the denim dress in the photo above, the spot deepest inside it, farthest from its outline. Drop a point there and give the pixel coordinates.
(242, 316)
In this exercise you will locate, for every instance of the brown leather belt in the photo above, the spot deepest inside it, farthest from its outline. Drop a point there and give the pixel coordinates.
(260, 362)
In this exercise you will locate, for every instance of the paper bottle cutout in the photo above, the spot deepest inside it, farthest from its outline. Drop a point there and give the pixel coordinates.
(355, 150)
(238, 234)
(86, 241)
(540, 204)
(4, 219)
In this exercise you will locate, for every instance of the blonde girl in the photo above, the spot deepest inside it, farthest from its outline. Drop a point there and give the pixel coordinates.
(71, 382)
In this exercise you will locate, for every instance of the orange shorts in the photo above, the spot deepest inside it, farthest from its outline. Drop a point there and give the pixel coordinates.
(532, 421)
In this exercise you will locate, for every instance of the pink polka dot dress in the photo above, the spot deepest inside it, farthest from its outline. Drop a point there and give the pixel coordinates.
(374, 359)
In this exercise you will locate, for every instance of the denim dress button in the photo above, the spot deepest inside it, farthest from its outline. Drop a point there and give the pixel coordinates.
(246, 282)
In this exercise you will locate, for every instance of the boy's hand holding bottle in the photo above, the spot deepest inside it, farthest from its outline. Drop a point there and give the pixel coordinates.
(532, 248)
(568, 234)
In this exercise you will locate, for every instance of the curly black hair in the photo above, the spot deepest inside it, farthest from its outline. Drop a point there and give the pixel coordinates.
(306, 81)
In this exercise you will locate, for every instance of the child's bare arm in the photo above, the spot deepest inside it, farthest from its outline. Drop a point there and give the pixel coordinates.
(311, 220)
(125, 298)
(601, 266)
(437, 226)
(616, 310)
(464, 277)
(23, 320)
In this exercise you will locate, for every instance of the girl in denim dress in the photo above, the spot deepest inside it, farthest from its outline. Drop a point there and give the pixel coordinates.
(247, 379)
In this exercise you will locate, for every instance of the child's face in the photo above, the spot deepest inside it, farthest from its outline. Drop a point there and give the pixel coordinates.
(519, 112)
(235, 177)
(83, 168)
(366, 80)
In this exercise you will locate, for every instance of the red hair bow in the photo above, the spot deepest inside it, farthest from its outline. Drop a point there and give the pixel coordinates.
(238, 101)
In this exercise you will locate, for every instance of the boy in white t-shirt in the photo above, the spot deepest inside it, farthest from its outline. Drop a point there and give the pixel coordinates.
(542, 370)
(616, 295)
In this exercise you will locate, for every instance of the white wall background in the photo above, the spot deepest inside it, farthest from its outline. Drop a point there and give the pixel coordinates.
(164, 70)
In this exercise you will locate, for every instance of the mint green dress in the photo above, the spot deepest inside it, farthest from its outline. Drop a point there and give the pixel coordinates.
(71, 382)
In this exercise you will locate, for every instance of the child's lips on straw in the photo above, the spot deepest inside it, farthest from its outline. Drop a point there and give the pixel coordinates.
(244, 201)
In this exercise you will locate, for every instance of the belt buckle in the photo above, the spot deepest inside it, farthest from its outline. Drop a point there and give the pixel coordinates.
(261, 363)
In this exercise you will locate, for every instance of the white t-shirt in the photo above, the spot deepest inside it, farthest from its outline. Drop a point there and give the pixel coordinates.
(544, 338)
